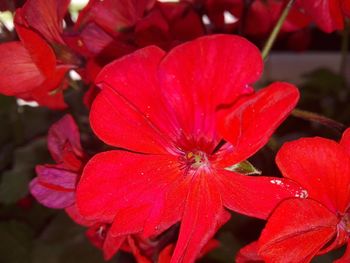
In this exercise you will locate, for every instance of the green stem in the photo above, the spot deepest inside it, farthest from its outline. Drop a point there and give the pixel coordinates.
(313, 117)
(344, 48)
(268, 45)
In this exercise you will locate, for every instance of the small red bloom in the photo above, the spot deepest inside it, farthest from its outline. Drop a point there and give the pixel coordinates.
(299, 229)
(172, 111)
(56, 183)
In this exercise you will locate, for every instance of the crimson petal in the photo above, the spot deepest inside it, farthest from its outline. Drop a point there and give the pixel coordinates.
(255, 195)
(249, 254)
(127, 111)
(296, 231)
(197, 76)
(46, 17)
(321, 166)
(345, 141)
(201, 217)
(251, 121)
(118, 179)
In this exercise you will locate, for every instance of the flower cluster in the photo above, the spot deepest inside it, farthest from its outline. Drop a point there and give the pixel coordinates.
(179, 114)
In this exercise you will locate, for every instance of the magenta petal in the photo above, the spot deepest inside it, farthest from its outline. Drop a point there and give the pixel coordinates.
(57, 176)
(64, 137)
(51, 196)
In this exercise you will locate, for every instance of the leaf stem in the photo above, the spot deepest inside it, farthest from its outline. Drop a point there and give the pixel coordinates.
(269, 43)
(314, 117)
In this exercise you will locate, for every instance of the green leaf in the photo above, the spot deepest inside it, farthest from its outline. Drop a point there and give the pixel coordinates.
(14, 182)
(14, 186)
(15, 242)
(244, 167)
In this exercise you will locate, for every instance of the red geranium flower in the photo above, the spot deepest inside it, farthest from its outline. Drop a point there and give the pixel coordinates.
(299, 229)
(34, 67)
(55, 184)
(172, 112)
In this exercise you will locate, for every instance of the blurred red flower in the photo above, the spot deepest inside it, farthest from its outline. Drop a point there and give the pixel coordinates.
(34, 67)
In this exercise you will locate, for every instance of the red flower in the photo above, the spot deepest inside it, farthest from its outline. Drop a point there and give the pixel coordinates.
(165, 110)
(56, 183)
(329, 15)
(34, 67)
(299, 229)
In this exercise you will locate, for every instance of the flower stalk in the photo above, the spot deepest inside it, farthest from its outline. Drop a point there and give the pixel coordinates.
(268, 45)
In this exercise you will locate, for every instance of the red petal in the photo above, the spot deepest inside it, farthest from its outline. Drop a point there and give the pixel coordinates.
(255, 195)
(46, 17)
(64, 137)
(250, 122)
(111, 245)
(73, 213)
(345, 141)
(50, 93)
(321, 166)
(200, 219)
(18, 71)
(130, 220)
(41, 53)
(138, 250)
(249, 254)
(346, 7)
(119, 179)
(171, 210)
(199, 75)
(128, 110)
(165, 254)
(296, 231)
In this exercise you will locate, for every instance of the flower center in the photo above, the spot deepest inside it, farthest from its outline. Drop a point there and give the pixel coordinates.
(345, 223)
(196, 159)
